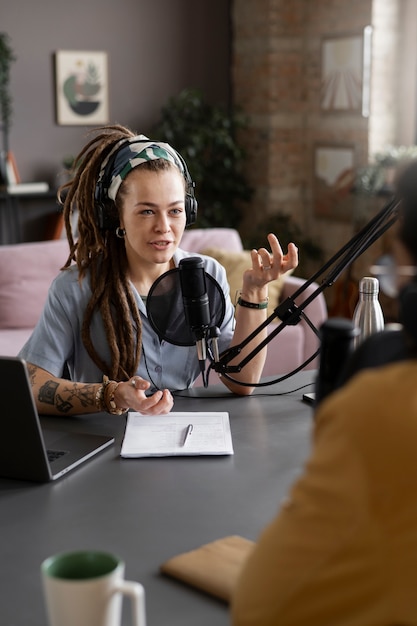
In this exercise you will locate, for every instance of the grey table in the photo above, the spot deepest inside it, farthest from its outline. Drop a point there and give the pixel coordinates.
(147, 510)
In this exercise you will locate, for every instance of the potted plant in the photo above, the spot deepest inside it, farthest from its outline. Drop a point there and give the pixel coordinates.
(379, 175)
(205, 135)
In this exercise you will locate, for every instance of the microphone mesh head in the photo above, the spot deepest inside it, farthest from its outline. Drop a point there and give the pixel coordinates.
(165, 308)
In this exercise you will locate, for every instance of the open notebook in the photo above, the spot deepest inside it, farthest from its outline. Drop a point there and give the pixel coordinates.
(177, 434)
(26, 451)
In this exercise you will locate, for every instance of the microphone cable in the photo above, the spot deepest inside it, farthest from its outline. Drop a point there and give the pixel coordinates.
(280, 379)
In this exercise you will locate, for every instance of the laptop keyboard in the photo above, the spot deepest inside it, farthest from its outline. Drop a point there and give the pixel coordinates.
(53, 455)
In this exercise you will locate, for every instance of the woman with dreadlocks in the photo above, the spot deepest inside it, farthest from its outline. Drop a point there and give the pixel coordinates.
(94, 348)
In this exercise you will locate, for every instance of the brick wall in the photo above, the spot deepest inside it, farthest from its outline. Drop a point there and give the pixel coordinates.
(276, 80)
(276, 74)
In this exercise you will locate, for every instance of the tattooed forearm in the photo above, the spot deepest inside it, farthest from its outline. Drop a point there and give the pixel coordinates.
(64, 401)
(61, 396)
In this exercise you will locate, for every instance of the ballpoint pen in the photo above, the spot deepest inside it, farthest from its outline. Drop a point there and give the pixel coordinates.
(187, 433)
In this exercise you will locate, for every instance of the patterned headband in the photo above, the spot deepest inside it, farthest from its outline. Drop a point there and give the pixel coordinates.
(138, 150)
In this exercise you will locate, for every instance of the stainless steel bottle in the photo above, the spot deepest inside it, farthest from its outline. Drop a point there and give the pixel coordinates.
(368, 315)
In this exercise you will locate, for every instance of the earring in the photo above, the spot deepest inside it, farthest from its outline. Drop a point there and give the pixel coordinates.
(120, 232)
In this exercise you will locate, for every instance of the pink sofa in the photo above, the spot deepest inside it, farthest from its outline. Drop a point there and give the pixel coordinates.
(27, 269)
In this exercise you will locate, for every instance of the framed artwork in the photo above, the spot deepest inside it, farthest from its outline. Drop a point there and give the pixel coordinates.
(81, 88)
(345, 73)
(334, 175)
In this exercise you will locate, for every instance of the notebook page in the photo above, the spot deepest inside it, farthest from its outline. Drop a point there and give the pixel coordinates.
(167, 435)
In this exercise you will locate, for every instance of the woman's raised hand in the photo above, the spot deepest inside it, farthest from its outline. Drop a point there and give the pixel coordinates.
(268, 266)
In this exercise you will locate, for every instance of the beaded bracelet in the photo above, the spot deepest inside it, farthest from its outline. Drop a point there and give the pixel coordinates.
(99, 401)
(253, 305)
(105, 397)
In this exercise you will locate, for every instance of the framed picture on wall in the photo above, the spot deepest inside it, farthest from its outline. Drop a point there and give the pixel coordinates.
(334, 176)
(81, 80)
(345, 73)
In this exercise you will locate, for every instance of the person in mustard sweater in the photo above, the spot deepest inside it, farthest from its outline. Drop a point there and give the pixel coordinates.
(342, 550)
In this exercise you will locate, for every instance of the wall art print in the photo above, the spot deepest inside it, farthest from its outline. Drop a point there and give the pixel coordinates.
(81, 88)
(334, 176)
(345, 72)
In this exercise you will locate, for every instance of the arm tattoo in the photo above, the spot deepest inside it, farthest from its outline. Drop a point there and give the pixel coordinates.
(47, 392)
(85, 393)
(62, 405)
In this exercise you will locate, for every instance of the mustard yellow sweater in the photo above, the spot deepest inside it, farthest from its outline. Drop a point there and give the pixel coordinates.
(343, 549)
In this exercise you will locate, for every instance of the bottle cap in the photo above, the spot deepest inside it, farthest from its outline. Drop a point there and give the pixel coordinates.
(369, 284)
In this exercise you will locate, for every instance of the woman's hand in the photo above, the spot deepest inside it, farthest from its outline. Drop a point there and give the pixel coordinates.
(132, 394)
(268, 266)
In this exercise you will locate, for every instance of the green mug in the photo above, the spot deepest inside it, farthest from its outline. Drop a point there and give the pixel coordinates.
(85, 588)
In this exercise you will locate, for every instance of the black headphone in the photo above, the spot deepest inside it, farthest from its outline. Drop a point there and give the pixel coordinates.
(106, 212)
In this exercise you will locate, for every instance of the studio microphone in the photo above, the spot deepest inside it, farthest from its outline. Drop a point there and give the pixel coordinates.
(186, 306)
(196, 303)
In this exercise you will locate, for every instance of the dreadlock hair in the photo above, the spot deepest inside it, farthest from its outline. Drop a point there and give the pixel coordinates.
(104, 256)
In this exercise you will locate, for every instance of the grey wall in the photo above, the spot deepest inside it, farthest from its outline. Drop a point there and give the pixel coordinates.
(155, 48)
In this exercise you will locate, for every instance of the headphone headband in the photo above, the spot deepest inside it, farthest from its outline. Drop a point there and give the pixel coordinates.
(125, 156)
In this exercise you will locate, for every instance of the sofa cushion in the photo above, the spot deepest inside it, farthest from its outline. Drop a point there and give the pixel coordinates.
(195, 239)
(235, 263)
(12, 340)
(26, 272)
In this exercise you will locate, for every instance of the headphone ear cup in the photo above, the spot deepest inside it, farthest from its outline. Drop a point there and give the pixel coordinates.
(407, 300)
(106, 217)
(190, 209)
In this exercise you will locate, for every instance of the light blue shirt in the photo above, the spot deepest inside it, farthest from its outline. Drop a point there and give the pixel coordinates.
(56, 340)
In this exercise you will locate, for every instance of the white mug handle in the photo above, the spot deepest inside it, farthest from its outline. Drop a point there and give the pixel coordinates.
(136, 593)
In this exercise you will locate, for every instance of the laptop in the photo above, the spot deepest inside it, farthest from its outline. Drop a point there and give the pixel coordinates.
(28, 452)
